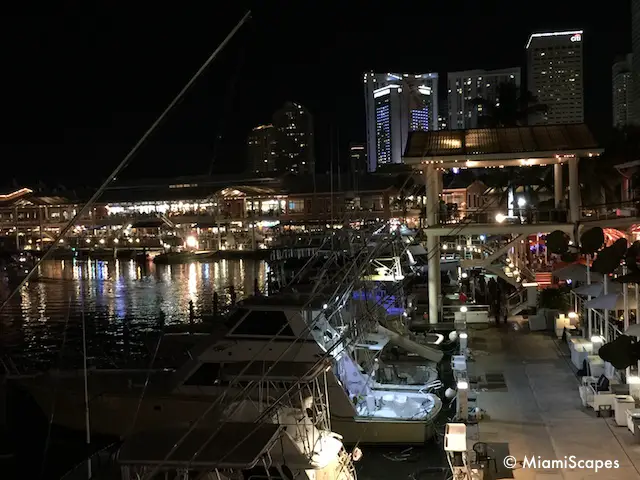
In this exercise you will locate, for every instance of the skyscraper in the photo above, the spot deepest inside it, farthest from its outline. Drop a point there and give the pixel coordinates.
(463, 87)
(621, 83)
(634, 116)
(555, 75)
(294, 139)
(397, 103)
(357, 158)
(261, 149)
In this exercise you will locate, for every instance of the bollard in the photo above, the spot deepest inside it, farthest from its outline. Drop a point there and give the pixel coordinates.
(192, 316)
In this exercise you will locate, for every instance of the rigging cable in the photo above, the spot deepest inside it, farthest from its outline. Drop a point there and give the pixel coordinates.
(55, 394)
(125, 161)
(326, 355)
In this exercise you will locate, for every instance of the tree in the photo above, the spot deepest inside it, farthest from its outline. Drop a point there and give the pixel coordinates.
(601, 183)
(511, 109)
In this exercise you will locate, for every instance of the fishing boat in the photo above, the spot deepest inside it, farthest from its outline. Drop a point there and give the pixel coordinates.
(279, 437)
(374, 397)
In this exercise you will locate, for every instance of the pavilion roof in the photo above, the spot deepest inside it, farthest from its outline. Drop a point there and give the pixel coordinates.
(514, 141)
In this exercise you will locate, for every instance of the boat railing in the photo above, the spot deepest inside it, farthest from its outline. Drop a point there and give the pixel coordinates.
(102, 461)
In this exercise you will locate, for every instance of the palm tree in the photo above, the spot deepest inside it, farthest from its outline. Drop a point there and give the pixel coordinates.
(512, 108)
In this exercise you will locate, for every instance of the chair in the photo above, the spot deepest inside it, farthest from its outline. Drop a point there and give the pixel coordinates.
(481, 449)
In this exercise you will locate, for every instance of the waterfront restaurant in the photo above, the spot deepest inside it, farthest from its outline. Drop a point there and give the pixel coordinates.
(224, 204)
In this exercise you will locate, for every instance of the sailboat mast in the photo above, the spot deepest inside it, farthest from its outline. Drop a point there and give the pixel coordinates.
(125, 161)
(86, 393)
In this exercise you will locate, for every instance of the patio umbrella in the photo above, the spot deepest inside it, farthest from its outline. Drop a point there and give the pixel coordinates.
(633, 330)
(610, 301)
(594, 290)
(576, 272)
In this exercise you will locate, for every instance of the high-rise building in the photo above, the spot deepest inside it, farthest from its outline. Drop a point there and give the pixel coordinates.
(294, 139)
(261, 149)
(443, 114)
(357, 158)
(555, 75)
(397, 103)
(463, 87)
(621, 83)
(634, 117)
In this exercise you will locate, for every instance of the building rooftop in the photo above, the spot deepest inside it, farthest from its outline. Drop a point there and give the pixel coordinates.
(511, 142)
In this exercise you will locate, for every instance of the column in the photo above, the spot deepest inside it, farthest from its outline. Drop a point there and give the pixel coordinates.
(433, 242)
(557, 184)
(574, 190)
(625, 187)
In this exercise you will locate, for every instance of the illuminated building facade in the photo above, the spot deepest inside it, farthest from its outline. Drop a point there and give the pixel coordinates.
(621, 90)
(294, 139)
(395, 104)
(261, 149)
(463, 87)
(555, 75)
(357, 158)
(635, 63)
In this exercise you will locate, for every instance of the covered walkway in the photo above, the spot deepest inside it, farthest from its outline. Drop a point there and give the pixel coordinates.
(529, 390)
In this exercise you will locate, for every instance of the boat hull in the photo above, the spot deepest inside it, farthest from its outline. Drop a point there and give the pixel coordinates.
(122, 414)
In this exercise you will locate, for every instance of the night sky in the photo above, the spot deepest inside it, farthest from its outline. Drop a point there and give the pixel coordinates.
(81, 87)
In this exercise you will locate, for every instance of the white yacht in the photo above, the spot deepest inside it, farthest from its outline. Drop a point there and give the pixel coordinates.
(285, 438)
(374, 396)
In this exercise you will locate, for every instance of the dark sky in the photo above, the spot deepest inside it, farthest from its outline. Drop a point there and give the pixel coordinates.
(81, 87)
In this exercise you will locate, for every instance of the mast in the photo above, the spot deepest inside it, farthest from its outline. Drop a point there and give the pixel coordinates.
(86, 392)
(125, 161)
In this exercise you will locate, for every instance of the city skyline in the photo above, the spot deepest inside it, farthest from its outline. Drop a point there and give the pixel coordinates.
(114, 82)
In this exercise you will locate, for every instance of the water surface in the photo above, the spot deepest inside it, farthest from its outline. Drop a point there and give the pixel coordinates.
(123, 303)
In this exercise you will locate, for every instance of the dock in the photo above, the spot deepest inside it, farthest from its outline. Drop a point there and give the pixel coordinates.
(527, 386)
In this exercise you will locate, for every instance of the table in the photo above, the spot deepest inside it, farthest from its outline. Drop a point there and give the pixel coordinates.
(621, 404)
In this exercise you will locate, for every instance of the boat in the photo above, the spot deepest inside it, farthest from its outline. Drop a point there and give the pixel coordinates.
(374, 397)
(281, 438)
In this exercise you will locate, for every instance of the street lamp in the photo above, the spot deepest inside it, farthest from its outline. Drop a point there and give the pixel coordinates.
(521, 202)
(500, 218)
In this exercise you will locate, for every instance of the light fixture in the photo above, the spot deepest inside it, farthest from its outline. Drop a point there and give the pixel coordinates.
(521, 202)
(463, 309)
(464, 275)
(500, 218)
(572, 315)
(325, 306)
(463, 335)
(462, 385)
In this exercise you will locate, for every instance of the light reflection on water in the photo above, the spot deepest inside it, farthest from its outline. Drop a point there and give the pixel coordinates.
(123, 301)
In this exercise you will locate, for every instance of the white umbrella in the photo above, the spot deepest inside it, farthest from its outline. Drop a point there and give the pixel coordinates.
(610, 301)
(604, 302)
(633, 330)
(576, 272)
(594, 290)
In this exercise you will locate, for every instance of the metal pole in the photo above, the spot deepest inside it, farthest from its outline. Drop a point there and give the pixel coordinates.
(86, 394)
(605, 282)
(589, 313)
(625, 314)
